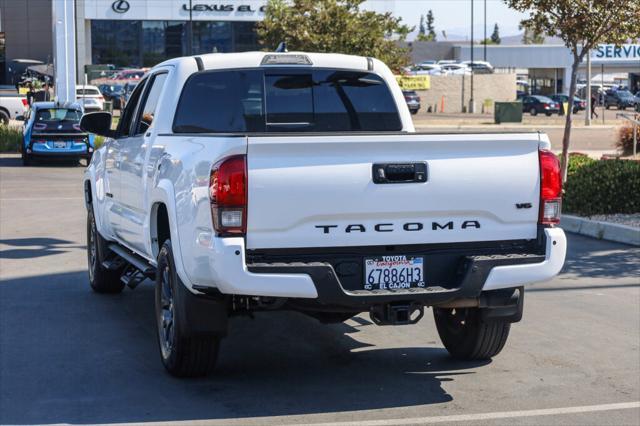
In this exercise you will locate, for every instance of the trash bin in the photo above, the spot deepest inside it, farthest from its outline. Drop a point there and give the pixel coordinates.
(507, 112)
(108, 106)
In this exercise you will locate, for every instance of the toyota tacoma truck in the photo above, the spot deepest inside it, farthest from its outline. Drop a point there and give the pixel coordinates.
(262, 181)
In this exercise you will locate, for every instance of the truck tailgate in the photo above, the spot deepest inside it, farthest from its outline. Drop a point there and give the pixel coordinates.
(318, 191)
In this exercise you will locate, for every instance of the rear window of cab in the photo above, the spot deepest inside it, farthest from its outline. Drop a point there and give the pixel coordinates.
(282, 100)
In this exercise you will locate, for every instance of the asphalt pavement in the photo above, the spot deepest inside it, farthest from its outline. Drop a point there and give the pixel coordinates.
(68, 355)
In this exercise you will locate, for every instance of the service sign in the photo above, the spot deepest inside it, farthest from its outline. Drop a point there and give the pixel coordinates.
(613, 53)
(414, 82)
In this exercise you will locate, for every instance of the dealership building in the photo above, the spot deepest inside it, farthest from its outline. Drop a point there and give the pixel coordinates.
(131, 33)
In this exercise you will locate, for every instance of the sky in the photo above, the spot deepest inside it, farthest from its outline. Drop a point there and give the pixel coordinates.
(454, 16)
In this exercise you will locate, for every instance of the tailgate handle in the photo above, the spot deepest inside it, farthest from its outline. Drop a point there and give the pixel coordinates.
(399, 172)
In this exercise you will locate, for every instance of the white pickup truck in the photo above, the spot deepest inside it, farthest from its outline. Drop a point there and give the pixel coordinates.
(264, 181)
(12, 105)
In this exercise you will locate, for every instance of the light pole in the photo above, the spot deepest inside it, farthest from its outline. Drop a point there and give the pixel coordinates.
(190, 30)
(472, 106)
(485, 30)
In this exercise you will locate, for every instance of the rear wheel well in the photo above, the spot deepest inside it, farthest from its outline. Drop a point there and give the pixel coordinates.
(161, 230)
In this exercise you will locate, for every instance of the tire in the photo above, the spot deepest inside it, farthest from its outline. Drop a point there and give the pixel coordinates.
(548, 114)
(182, 354)
(414, 111)
(4, 118)
(101, 279)
(533, 111)
(26, 159)
(467, 337)
(606, 106)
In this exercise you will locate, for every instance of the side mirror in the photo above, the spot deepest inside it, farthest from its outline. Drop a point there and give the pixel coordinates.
(98, 123)
(19, 118)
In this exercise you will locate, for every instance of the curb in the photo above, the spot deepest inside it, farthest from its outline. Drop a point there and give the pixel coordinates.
(601, 230)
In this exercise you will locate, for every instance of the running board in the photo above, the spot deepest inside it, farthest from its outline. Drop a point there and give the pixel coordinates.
(134, 260)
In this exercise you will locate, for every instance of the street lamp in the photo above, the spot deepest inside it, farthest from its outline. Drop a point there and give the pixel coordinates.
(472, 106)
(485, 30)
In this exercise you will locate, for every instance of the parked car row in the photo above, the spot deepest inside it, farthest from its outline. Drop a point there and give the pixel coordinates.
(450, 67)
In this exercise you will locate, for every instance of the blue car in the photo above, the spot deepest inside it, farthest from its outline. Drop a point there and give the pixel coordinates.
(53, 130)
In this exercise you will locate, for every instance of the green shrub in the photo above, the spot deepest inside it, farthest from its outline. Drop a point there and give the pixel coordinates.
(603, 187)
(577, 160)
(10, 138)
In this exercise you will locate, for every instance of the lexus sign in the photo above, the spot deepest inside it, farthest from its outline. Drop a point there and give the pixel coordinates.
(120, 6)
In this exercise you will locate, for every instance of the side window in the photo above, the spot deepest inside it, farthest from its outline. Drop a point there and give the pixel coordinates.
(124, 127)
(146, 114)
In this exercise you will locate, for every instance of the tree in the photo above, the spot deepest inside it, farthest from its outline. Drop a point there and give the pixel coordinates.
(530, 36)
(495, 36)
(428, 33)
(582, 25)
(430, 28)
(336, 26)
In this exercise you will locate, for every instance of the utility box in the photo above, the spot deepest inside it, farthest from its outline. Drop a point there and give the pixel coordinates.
(507, 112)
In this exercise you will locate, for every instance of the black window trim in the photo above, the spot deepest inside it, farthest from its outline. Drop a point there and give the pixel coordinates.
(151, 78)
(270, 71)
(142, 87)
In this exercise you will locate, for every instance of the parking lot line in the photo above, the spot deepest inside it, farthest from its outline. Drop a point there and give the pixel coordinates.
(478, 417)
(489, 416)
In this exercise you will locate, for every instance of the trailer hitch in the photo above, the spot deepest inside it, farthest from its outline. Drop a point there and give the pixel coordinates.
(397, 313)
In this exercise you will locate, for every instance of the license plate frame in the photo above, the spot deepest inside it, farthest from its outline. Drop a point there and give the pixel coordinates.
(60, 145)
(376, 279)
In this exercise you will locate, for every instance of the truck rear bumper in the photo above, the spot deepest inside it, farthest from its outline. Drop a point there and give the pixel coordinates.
(319, 280)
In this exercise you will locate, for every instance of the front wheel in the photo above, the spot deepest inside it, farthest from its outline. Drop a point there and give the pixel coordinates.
(533, 111)
(466, 336)
(183, 354)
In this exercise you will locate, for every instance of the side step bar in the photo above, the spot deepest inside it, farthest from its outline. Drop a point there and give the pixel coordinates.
(134, 260)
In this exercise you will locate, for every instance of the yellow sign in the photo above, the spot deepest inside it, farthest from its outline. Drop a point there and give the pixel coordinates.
(23, 90)
(414, 82)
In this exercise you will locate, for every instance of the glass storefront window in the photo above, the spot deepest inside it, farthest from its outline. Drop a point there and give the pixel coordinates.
(147, 43)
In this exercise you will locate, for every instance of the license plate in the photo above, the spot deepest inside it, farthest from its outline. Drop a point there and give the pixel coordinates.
(393, 272)
(61, 145)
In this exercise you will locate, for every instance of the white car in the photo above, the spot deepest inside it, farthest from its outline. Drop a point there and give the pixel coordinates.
(479, 67)
(260, 181)
(426, 69)
(455, 69)
(90, 98)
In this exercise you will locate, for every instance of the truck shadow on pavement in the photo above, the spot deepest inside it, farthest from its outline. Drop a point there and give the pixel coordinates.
(29, 248)
(70, 355)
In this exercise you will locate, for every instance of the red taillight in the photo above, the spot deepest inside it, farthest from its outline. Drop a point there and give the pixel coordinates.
(25, 102)
(228, 195)
(550, 188)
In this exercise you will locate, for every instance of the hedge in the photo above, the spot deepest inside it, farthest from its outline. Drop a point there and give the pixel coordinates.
(10, 138)
(603, 187)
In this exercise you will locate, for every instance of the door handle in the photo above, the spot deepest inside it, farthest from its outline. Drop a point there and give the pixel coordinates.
(399, 172)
